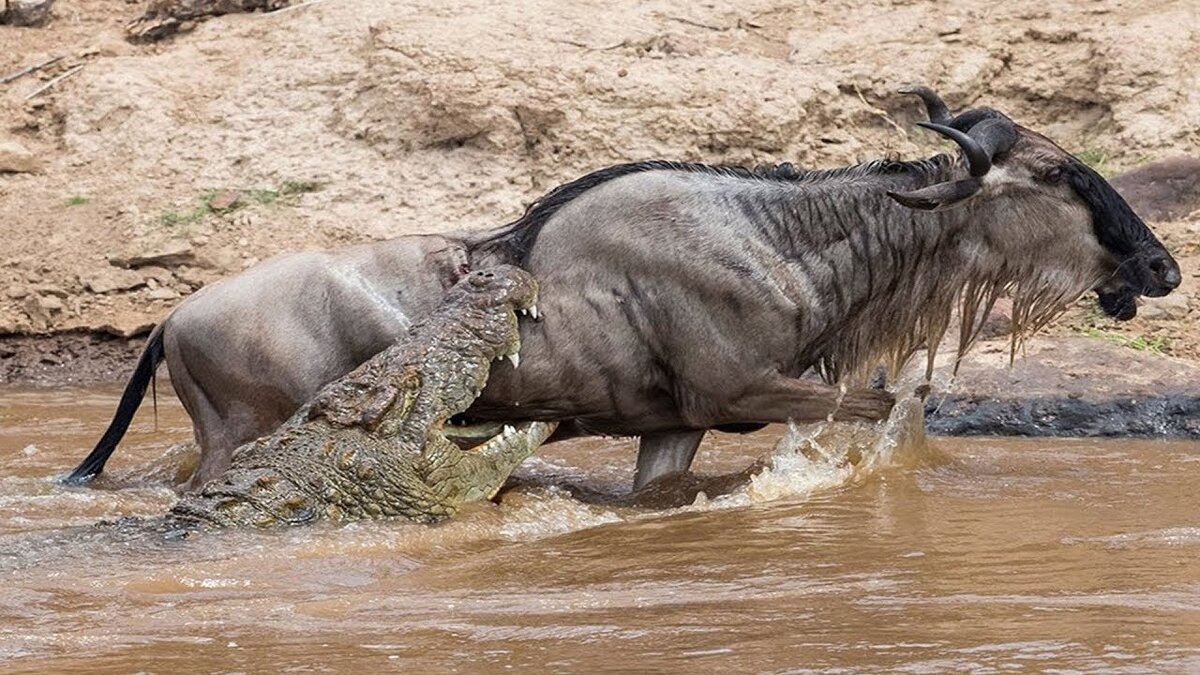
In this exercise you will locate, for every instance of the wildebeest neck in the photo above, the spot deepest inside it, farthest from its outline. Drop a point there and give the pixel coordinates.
(878, 281)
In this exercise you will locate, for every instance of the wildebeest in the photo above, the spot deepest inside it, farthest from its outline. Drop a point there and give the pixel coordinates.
(681, 297)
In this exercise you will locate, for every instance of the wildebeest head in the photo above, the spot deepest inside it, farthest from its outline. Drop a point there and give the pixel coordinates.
(1052, 204)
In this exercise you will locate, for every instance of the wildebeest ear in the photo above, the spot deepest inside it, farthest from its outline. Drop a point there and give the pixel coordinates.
(451, 264)
(938, 196)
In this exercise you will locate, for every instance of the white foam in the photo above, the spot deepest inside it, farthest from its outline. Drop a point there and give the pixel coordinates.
(552, 511)
(818, 458)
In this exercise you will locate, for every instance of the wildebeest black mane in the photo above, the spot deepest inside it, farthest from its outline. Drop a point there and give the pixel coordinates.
(516, 239)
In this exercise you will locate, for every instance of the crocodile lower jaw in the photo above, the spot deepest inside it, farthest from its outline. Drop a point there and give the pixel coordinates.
(529, 434)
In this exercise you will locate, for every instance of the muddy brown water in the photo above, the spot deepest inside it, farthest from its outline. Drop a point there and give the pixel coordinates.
(858, 554)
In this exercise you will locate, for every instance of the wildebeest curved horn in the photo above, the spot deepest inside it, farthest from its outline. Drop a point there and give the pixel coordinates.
(977, 158)
(939, 195)
(934, 105)
(995, 135)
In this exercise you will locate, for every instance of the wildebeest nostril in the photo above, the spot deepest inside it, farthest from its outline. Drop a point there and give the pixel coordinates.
(1166, 271)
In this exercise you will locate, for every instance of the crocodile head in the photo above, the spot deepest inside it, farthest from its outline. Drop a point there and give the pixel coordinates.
(479, 325)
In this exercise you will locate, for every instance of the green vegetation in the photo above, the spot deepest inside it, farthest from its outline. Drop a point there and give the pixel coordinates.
(1097, 159)
(76, 200)
(1154, 344)
(220, 202)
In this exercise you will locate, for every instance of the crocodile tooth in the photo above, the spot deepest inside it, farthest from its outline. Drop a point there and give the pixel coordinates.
(522, 312)
(509, 430)
(516, 359)
(533, 311)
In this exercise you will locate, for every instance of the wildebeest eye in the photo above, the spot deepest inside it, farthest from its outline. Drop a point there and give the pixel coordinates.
(1053, 175)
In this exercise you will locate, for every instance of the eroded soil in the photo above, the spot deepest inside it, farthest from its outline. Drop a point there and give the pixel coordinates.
(340, 122)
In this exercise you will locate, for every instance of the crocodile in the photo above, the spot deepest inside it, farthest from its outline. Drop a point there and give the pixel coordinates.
(372, 444)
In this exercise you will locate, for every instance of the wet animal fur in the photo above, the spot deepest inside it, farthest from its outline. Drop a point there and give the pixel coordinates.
(917, 306)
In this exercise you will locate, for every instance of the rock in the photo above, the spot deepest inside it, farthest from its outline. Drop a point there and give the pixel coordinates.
(26, 13)
(193, 277)
(1174, 306)
(16, 292)
(226, 199)
(1065, 386)
(111, 279)
(119, 322)
(41, 310)
(163, 293)
(221, 259)
(15, 158)
(1165, 190)
(50, 289)
(51, 303)
(160, 274)
(170, 254)
(125, 325)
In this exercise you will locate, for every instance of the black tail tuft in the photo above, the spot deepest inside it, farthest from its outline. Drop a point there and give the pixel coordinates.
(131, 398)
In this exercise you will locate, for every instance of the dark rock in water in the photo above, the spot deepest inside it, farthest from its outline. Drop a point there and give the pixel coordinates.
(1067, 387)
(1164, 190)
(1171, 416)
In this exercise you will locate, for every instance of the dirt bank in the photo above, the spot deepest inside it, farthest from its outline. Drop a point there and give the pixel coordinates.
(155, 169)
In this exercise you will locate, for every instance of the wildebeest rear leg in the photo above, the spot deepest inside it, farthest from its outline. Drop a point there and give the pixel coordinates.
(780, 399)
(665, 453)
(214, 434)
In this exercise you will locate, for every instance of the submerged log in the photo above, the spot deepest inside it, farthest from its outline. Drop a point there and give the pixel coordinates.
(165, 18)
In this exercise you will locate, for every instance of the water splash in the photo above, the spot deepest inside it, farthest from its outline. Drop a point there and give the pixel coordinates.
(831, 455)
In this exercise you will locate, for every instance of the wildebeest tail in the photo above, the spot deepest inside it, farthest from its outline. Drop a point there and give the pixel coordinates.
(131, 398)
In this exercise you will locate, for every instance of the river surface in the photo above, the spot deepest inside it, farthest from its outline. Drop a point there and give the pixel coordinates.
(861, 550)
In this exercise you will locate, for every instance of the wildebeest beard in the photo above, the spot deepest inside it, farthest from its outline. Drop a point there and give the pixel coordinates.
(930, 283)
